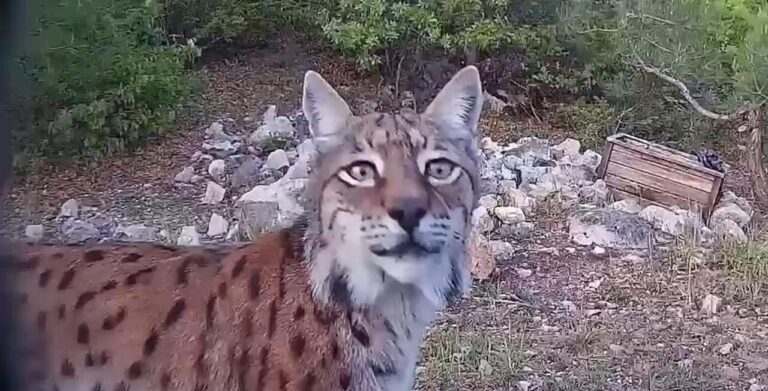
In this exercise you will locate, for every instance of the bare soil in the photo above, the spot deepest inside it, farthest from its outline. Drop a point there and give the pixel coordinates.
(577, 322)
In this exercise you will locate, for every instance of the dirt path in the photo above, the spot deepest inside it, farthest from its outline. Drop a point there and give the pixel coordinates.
(581, 322)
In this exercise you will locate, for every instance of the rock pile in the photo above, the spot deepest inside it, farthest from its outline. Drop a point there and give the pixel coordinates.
(521, 179)
(260, 171)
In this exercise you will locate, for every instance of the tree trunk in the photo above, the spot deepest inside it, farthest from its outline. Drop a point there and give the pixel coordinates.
(754, 157)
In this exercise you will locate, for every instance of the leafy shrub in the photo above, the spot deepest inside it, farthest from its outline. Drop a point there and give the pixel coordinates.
(247, 21)
(101, 79)
(364, 30)
(716, 47)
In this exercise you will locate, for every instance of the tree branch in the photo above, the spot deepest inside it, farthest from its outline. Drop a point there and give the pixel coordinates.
(685, 92)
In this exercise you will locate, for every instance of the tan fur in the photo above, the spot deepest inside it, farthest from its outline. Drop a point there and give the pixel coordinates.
(109, 318)
(339, 301)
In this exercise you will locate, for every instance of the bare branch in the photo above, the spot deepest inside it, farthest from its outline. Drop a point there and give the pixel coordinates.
(685, 92)
(597, 30)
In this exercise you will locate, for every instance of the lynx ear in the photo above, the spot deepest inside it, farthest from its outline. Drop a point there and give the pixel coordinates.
(324, 108)
(456, 109)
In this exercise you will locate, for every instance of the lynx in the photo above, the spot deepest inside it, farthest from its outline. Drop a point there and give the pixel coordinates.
(339, 301)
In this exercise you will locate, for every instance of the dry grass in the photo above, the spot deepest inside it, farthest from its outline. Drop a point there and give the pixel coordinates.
(489, 359)
(746, 268)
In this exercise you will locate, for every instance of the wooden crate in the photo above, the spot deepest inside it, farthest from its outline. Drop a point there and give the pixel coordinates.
(654, 174)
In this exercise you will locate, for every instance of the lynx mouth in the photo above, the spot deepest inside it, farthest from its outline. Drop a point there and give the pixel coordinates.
(406, 247)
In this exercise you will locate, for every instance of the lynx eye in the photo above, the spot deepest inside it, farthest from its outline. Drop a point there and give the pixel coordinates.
(361, 173)
(441, 171)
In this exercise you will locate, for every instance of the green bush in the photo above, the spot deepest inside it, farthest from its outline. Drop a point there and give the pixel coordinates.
(716, 47)
(366, 30)
(243, 21)
(102, 80)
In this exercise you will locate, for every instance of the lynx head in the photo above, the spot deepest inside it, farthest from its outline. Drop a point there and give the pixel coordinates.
(393, 193)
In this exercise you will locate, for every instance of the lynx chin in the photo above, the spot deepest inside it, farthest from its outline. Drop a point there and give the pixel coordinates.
(338, 301)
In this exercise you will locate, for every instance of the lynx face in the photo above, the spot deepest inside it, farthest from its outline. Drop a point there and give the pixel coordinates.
(394, 192)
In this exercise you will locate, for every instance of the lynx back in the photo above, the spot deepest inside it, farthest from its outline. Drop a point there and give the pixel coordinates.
(338, 301)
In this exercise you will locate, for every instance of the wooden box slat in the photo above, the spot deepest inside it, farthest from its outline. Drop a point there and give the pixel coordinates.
(655, 174)
(648, 165)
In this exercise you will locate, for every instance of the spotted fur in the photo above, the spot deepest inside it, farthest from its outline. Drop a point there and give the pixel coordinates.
(338, 301)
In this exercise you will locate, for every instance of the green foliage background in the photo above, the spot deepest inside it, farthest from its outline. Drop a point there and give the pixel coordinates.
(106, 75)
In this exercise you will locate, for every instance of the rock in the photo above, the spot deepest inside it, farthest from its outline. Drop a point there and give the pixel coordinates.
(78, 231)
(608, 228)
(501, 249)
(408, 101)
(215, 127)
(270, 114)
(259, 217)
(516, 197)
(488, 145)
(185, 176)
(217, 169)
(214, 193)
(271, 206)
(483, 264)
(34, 232)
(482, 221)
(532, 175)
(489, 202)
(197, 178)
(567, 174)
(545, 188)
(523, 273)
(597, 193)
(137, 233)
(568, 147)
(199, 156)
(523, 385)
(277, 160)
(233, 234)
(301, 169)
(493, 103)
(521, 229)
(509, 214)
(599, 252)
(248, 173)
(710, 304)
(627, 205)
(730, 197)
(366, 106)
(70, 208)
(220, 148)
(217, 225)
(531, 149)
(663, 219)
(730, 230)
(732, 212)
(512, 162)
(591, 159)
(725, 349)
(216, 132)
(188, 236)
(273, 127)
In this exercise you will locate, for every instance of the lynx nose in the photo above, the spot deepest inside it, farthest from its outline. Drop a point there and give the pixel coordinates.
(408, 212)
